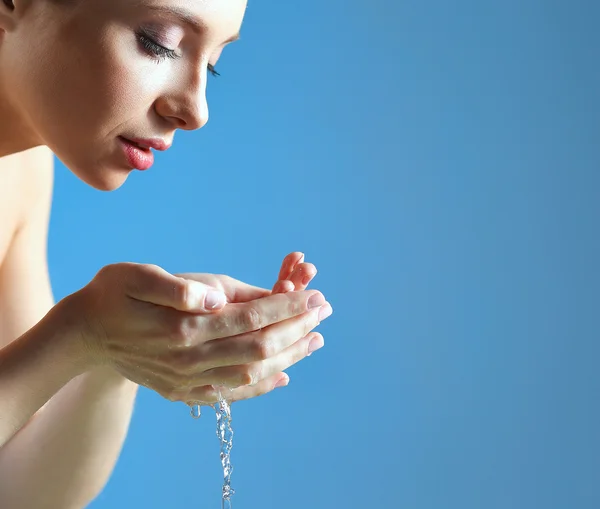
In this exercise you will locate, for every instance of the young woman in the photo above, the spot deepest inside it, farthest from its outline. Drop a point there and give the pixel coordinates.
(99, 84)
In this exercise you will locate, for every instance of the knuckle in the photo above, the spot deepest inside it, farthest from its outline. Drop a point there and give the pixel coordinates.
(140, 272)
(262, 348)
(181, 330)
(150, 268)
(256, 372)
(108, 271)
(296, 303)
(104, 271)
(180, 291)
(250, 374)
(135, 277)
(220, 322)
(146, 271)
(247, 376)
(250, 319)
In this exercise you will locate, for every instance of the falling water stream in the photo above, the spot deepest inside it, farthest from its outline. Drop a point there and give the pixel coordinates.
(225, 436)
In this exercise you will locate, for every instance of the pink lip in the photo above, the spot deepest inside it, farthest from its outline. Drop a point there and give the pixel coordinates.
(138, 158)
(155, 143)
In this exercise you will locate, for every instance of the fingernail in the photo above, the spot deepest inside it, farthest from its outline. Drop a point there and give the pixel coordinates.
(306, 280)
(315, 343)
(325, 311)
(214, 299)
(316, 300)
(283, 381)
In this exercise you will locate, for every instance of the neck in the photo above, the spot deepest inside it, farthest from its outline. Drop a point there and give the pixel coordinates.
(16, 134)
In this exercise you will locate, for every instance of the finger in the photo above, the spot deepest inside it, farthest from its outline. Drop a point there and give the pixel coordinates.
(303, 275)
(237, 319)
(151, 283)
(253, 373)
(289, 264)
(261, 388)
(157, 382)
(283, 286)
(207, 395)
(235, 291)
(186, 355)
(260, 345)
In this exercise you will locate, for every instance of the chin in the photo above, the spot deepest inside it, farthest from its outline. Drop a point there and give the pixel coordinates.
(99, 176)
(102, 179)
(105, 179)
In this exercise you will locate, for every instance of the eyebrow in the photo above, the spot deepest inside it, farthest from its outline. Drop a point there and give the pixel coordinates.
(188, 18)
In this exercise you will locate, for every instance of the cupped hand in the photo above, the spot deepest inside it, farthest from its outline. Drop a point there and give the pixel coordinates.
(173, 334)
(294, 275)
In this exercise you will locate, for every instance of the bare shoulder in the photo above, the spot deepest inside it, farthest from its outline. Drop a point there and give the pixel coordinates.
(26, 181)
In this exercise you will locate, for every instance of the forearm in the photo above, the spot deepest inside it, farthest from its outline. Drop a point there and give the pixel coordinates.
(34, 368)
(63, 458)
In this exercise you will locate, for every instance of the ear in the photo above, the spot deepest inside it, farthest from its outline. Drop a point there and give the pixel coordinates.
(7, 10)
(12, 11)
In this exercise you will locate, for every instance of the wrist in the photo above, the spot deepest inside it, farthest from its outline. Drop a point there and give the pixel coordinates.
(68, 328)
(69, 318)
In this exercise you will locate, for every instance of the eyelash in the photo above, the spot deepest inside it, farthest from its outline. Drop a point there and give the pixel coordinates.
(160, 52)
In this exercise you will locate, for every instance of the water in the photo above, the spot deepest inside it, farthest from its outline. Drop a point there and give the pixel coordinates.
(195, 411)
(225, 436)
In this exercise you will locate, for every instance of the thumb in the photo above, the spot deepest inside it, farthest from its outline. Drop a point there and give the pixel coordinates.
(235, 291)
(202, 298)
(153, 284)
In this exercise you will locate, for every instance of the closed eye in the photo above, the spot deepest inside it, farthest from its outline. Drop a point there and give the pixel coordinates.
(160, 53)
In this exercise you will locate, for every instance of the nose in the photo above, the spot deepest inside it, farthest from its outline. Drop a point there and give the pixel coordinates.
(185, 105)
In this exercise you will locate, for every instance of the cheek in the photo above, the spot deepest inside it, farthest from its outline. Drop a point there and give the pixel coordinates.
(91, 88)
(103, 88)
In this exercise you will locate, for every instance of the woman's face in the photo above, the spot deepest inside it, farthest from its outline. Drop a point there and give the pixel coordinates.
(87, 74)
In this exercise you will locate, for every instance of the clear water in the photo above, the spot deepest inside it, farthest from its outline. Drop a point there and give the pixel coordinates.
(195, 411)
(225, 436)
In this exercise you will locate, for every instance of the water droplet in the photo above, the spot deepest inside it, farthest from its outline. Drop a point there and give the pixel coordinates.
(195, 411)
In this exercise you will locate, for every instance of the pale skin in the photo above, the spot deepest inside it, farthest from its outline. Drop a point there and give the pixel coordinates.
(70, 370)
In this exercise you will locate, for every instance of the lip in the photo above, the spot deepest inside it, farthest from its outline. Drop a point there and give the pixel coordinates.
(155, 143)
(137, 157)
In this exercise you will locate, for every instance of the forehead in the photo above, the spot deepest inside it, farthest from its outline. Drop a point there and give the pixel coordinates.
(219, 19)
(206, 13)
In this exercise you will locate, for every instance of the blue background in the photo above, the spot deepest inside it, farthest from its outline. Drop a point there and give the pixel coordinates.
(438, 162)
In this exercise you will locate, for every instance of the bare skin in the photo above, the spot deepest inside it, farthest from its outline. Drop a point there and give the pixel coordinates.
(70, 370)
